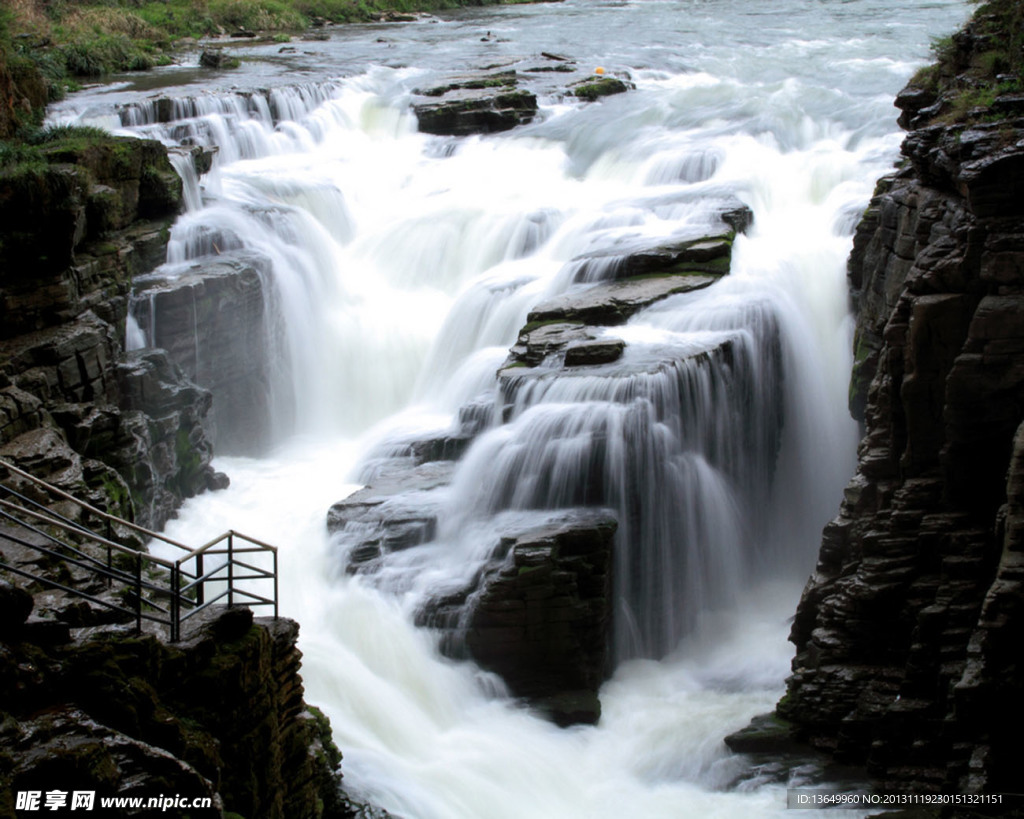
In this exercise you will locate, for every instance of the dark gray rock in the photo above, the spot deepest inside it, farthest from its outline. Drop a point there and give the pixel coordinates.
(15, 606)
(540, 614)
(612, 303)
(594, 88)
(479, 103)
(903, 631)
(211, 319)
(397, 512)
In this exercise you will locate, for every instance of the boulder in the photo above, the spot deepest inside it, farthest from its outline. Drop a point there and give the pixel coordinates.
(217, 58)
(539, 615)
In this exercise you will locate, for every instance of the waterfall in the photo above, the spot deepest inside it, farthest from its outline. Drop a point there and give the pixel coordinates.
(395, 270)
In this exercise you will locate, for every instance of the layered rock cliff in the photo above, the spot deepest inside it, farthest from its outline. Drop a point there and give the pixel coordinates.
(82, 214)
(905, 633)
(218, 716)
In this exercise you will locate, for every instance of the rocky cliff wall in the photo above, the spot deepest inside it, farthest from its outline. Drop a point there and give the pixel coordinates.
(218, 715)
(82, 214)
(905, 631)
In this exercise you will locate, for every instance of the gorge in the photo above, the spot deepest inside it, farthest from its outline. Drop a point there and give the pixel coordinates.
(571, 392)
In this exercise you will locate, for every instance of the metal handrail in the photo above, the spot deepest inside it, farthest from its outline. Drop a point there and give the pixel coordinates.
(92, 509)
(184, 591)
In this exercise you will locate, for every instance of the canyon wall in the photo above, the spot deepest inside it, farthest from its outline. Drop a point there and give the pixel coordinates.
(83, 214)
(908, 632)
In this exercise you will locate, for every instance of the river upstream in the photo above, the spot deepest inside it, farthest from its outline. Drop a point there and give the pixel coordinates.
(402, 268)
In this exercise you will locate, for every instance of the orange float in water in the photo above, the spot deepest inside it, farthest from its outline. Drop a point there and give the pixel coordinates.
(599, 70)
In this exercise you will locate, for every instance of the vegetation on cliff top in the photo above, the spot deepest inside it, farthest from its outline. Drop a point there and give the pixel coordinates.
(977, 65)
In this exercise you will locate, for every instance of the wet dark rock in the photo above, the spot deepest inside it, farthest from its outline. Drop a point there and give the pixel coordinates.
(218, 58)
(613, 303)
(475, 82)
(596, 351)
(64, 290)
(397, 512)
(219, 714)
(903, 631)
(558, 68)
(537, 341)
(475, 104)
(211, 320)
(710, 254)
(175, 462)
(60, 255)
(765, 734)
(539, 614)
(597, 87)
(15, 607)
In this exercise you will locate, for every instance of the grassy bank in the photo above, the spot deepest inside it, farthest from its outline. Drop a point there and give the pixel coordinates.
(67, 40)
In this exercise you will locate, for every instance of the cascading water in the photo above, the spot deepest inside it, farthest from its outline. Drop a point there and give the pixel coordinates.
(398, 270)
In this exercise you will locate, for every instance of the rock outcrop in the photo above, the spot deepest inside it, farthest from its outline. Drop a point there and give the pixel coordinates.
(613, 285)
(475, 104)
(539, 614)
(211, 319)
(903, 632)
(535, 603)
(79, 222)
(599, 86)
(219, 715)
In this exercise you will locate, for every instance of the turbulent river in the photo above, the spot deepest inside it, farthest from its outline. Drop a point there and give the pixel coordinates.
(402, 267)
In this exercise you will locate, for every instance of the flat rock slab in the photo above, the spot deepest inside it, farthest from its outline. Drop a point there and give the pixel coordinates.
(613, 303)
(391, 515)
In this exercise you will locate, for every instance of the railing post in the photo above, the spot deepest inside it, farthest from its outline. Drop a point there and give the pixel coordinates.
(200, 583)
(175, 602)
(231, 569)
(138, 594)
(275, 584)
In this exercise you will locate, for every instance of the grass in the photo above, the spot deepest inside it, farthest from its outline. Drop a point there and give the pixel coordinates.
(32, 145)
(66, 39)
(973, 69)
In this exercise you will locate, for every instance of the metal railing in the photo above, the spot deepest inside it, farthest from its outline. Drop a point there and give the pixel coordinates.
(138, 584)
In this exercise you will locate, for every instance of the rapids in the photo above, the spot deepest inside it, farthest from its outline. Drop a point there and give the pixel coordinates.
(401, 269)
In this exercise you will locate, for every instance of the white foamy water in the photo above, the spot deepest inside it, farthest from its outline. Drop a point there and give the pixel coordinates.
(401, 269)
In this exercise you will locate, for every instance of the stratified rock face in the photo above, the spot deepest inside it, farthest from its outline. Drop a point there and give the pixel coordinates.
(211, 320)
(903, 631)
(622, 282)
(220, 714)
(397, 512)
(76, 230)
